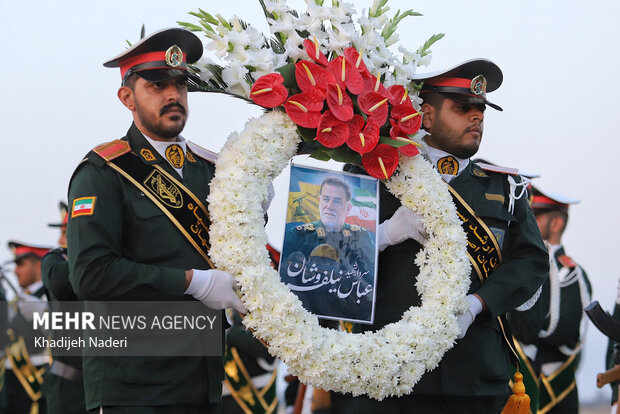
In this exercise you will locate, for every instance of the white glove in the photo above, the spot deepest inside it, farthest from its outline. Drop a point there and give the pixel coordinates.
(28, 305)
(214, 288)
(466, 318)
(271, 193)
(404, 224)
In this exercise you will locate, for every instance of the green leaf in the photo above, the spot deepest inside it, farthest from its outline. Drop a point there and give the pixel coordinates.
(320, 155)
(345, 154)
(190, 26)
(390, 26)
(288, 73)
(425, 49)
(307, 134)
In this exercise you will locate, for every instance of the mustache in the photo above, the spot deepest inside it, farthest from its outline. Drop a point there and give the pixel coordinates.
(170, 106)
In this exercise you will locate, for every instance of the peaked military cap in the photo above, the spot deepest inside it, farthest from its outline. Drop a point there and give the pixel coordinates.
(468, 82)
(159, 56)
(546, 201)
(64, 209)
(22, 250)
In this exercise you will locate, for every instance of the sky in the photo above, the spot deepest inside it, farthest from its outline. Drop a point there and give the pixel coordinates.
(559, 59)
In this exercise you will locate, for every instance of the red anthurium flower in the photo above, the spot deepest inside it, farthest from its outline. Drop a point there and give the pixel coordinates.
(375, 105)
(339, 102)
(268, 91)
(313, 51)
(355, 125)
(381, 162)
(373, 84)
(399, 95)
(346, 75)
(354, 58)
(331, 132)
(407, 118)
(311, 77)
(409, 150)
(365, 140)
(305, 109)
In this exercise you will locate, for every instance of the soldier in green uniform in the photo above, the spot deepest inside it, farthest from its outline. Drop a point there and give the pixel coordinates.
(612, 357)
(564, 295)
(3, 342)
(26, 365)
(345, 251)
(138, 231)
(63, 382)
(473, 376)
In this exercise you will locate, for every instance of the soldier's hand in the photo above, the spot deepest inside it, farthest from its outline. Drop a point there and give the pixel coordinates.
(404, 224)
(214, 288)
(466, 318)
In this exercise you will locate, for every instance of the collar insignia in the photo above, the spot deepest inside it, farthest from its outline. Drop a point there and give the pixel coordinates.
(479, 173)
(175, 156)
(174, 56)
(190, 157)
(147, 154)
(478, 86)
(448, 165)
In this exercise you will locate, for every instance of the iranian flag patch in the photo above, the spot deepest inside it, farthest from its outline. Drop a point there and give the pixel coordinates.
(83, 206)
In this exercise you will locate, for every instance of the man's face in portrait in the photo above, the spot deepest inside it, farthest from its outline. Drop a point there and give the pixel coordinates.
(334, 206)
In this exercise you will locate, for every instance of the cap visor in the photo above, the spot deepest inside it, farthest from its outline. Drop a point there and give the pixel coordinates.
(472, 100)
(159, 75)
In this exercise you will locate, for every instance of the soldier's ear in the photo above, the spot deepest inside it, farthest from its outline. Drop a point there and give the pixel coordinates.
(126, 96)
(428, 116)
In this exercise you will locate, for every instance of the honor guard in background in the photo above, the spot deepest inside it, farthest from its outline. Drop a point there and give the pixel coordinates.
(251, 372)
(612, 357)
(63, 383)
(564, 295)
(25, 365)
(133, 205)
(473, 376)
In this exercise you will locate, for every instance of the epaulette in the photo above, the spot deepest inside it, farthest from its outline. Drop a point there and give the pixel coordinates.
(498, 169)
(306, 227)
(355, 227)
(566, 261)
(202, 152)
(113, 149)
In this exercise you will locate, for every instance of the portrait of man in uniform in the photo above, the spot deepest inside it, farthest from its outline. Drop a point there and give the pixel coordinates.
(329, 250)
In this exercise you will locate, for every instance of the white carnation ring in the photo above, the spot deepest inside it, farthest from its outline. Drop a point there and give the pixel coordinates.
(387, 362)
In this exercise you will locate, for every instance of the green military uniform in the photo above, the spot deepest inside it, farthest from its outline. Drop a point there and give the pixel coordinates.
(3, 342)
(558, 390)
(127, 249)
(478, 366)
(352, 257)
(21, 398)
(250, 386)
(63, 382)
(610, 357)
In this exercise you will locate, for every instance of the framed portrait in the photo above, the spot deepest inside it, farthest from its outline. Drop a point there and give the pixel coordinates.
(329, 253)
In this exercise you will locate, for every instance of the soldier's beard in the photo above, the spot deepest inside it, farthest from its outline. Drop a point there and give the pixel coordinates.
(160, 126)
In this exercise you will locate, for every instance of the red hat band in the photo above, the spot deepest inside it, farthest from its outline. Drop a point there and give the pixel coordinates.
(173, 58)
(541, 202)
(473, 87)
(22, 251)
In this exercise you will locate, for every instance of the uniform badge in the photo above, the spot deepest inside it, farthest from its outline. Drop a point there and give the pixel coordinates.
(174, 56)
(164, 189)
(320, 231)
(478, 86)
(499, 235)
(479, 173)
(448, 165)
(190, 157)
(175, 156)
(147, 154)
(346, 233)
(83, 206)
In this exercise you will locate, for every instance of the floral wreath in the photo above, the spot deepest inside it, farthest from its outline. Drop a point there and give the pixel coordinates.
(341, 112)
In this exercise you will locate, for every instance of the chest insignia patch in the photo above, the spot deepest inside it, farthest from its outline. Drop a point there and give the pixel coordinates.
(499, 235)
(190, 157)
(175, 156)
(448, 165)
(164, 189)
